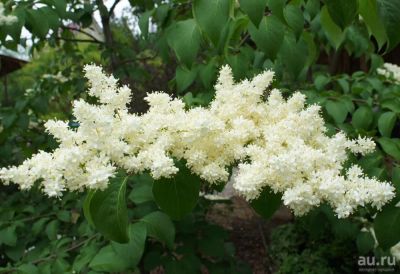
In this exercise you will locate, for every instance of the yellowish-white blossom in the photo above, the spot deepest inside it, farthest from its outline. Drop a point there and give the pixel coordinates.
(391, 72)
(276, 143)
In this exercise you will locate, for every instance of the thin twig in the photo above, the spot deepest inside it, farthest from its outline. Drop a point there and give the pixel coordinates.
(110, 12)
(141, 59)
(79, 40)
(28, 218)
(108, 35)
(244, 39)
(354, 100)
(82, 31)
(264, 242)
(53, 256)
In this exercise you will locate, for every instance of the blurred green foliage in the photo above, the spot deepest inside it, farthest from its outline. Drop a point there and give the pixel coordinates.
(295, 250)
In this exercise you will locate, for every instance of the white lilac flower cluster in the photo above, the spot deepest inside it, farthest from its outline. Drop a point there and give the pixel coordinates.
(390, 71)
(6, 19)
(275, 143)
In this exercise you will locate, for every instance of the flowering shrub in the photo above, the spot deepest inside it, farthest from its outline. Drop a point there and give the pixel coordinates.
(366, 104)
(277, 143)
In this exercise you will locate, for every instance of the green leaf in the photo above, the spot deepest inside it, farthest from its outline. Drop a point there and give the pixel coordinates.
(376, 62)
(349, 104)
(312, 7)
(294, 18)
(160, 227)
(64, 215)
(293, 55)
(379, 173)
(51, 17)
(393, 104)
(52, 229)
(396, 178)
(37, 227)
(184, 77)
(211, 17)
(334, 34)
(184, 39)
(387, 227)
(86, 254)
(267, 203)
(386, 123)
(315, 222)
(390, 146)
(254, 9)
(343, 228)
(239, 63)
(276, 7)
(365, 242)
(8, 236)
(8, 119)
(59, 265)
(142, 190)
(85, 19)
(162, 13)
(389, 11)
(35, 22)
(342, 12)
(321, 81)
(177, 196)
(337, 110)
(208, 73)
(107, 260)
(144, 22)
(369, 12)
(106, 210)
(371, 160)
(344, 84)
(362, 118)
(28, 269)
(132, 252)
(86, 207)
(16, 252)
(237, 26)
(61, 7)
(226, 34)
(268, 36)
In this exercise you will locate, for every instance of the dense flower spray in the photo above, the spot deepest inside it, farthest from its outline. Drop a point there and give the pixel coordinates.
(275, 143)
